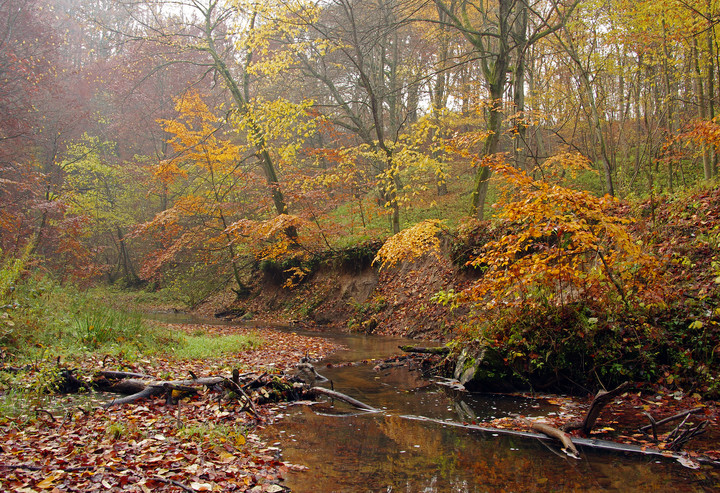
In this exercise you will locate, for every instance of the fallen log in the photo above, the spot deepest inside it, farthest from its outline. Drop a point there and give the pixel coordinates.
(425, 350)
(141, 389)
(117, 375)
(590, 443)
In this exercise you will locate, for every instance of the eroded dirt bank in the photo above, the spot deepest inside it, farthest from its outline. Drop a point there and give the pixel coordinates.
(355, 297)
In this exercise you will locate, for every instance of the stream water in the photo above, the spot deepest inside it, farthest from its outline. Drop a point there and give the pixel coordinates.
(391, 451)
(397, 450)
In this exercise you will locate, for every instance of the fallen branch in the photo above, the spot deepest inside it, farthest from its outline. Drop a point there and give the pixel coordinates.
(653, 424)
(601, 399)
(236, 386)
(30, 467)
(342, 397)
(683, 414)
(143, 394)
(558, 434)
(173, 482)
(683, 437)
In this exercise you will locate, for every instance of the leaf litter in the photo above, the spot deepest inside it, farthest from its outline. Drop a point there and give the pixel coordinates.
(204, 443)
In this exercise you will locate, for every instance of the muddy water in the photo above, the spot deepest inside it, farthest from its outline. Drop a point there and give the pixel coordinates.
(390, 452)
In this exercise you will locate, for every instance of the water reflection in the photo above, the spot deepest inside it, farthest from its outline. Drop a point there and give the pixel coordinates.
(390, 453)
(386, 452)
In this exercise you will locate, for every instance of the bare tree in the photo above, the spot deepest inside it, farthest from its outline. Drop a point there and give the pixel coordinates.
(499, 34)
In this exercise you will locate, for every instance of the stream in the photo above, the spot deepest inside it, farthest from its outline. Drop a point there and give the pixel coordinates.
(392, 452)
(415, 445)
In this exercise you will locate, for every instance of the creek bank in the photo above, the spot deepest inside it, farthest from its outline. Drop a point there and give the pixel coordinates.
(353, 295)
(394, 302)
(630, 418)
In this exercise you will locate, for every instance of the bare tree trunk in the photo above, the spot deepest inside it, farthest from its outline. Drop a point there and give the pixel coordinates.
(596, 122)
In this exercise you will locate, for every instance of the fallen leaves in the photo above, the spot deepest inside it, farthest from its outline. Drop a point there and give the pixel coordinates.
(201, 445)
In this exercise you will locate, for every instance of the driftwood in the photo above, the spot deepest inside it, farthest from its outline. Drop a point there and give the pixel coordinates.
(601, 399)
(426, 350)
(558, 434)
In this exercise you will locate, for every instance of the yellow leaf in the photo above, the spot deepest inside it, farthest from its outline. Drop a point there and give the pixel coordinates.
(226, 457)
(46, 483)
(197, 486)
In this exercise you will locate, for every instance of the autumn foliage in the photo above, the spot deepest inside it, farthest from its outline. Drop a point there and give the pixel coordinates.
(560, 246)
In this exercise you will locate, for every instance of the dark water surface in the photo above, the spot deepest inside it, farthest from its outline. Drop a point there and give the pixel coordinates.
(391, 451)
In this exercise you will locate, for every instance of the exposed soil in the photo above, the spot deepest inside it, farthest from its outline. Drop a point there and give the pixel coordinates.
(395, 301)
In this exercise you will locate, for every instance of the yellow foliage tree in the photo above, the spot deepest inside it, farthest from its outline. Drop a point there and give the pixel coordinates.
(410, 244)
(212, 185)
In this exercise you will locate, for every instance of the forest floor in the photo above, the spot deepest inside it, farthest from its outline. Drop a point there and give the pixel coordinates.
(204, 443)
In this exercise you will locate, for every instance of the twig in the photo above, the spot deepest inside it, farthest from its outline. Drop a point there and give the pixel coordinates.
(254, 381)
(676, 431)
(38, 412)
(30, 467)
(179, 421)
(27, 467)
(685, 436)
(672, 418)
(173, 482)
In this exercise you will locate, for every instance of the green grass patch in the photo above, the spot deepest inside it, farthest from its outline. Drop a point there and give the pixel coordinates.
(203, 346)
(41, 319)
(198, 433)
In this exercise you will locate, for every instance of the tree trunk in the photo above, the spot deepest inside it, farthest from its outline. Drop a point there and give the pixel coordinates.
(255, 132)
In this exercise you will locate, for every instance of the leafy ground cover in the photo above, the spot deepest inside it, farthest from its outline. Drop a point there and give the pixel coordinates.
(50, 443)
